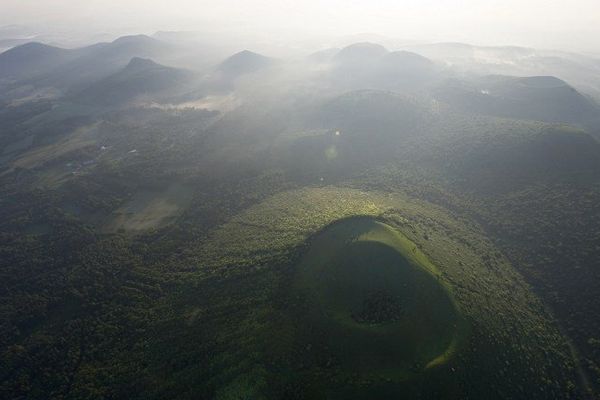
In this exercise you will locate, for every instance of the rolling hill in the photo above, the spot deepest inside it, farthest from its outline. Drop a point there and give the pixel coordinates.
(32, 59)
(366, 232)
(242, 63)
(69, 69)
(542, 98)
(141, 79)
(368, 65)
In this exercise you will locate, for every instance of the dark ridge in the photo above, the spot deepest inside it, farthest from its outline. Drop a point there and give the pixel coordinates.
(244, 62)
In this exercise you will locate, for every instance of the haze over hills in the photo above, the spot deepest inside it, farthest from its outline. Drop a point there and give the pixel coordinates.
(181, 223)
(577, 69)
(140, 78)
(69, 69)
(237, 66)
(542, 98)
(30, 59)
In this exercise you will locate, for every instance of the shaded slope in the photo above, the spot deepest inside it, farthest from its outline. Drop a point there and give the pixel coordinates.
(31, 59)
(374, 112)
(501, 359)
(534, 155)
(358, 130)
(359, 53)
(140, 78)
(46, 66)
(98, 61)
(542, 98)
(368, 65)
(242, 63)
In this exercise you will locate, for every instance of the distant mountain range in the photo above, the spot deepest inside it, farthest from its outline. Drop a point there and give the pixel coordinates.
(373, 66)
(45, 65)
(141, 78)
(121, 71)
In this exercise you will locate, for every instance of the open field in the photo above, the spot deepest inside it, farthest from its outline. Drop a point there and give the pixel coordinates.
(150, 209)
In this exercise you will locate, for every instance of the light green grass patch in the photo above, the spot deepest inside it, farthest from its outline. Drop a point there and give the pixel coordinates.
(150, 209)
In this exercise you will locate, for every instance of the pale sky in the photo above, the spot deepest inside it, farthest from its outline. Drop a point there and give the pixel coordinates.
(562, 24)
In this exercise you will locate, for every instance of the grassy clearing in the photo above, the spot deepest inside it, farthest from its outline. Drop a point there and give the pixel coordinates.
(38, 156)
(150, 209)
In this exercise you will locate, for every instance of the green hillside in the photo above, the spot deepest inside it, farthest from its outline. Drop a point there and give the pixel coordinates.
(288, 233)
(279, 342)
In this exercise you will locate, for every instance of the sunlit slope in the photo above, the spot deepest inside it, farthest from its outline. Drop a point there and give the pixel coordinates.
(257, 339)
(375, 302)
